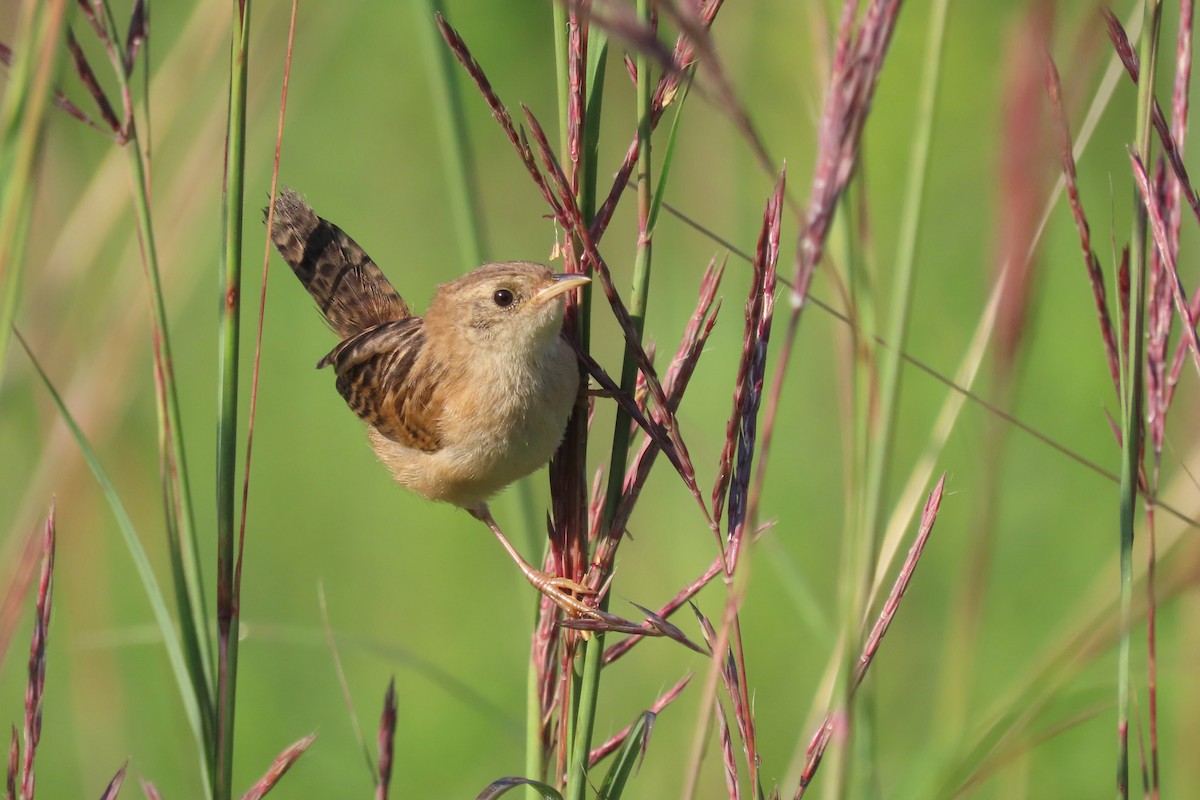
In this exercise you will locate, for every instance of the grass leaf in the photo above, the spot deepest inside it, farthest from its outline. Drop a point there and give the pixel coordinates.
(141, 561)
(628, 758)
(660, 189)
(505, 785)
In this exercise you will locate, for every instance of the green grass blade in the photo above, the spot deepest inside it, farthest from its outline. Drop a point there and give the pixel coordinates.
(1132, 390)
(558, 13)
(141, 562)
(506, 785)
(584, 689)
(660, 189)
(589, 686)
(627, 758)
(535, 756)
(597, 61)
(228, 552)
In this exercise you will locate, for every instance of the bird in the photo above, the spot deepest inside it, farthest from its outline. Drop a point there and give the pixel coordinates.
(462, 401)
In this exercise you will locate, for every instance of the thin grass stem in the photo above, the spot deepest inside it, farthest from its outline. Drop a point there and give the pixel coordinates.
(1131, 389)
(535, 754)
(258, 334)
(561, 78)
(1162, 392)
(594, 649)
(229, 556)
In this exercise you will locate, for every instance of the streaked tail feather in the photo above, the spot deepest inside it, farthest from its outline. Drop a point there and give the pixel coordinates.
(348, 287)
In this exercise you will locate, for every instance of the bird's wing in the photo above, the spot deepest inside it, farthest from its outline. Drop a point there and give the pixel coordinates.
(385, 381)
(348, 287)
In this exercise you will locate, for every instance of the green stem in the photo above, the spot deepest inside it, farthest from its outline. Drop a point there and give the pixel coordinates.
(562, 77)
(589, 691)
(534, 751)
(1131, 390)
(229, 558)
(597, 47)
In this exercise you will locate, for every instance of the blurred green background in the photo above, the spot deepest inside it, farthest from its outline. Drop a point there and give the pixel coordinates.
(421, 591)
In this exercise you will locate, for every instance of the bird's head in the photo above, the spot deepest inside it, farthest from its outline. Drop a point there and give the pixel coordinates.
(509, 306)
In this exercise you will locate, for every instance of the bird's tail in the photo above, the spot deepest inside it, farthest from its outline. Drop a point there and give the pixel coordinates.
(347, 286)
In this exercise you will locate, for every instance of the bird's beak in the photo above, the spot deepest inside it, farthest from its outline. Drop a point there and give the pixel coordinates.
(562, 283)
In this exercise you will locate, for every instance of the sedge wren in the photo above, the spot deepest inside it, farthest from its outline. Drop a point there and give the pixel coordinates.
(458, 403)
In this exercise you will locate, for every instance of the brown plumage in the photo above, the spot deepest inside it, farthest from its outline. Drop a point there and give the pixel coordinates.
(350, 290)
(377, 377)
(461, 402)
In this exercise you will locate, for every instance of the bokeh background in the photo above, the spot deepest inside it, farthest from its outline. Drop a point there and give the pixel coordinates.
(422, 591)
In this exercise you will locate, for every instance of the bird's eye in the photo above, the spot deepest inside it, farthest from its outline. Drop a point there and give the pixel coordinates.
(502, 298)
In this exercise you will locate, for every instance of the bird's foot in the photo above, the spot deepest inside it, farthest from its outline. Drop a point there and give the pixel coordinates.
(573, 598)
(576, 600)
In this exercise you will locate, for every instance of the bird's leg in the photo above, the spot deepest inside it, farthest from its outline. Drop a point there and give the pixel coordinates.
(566, 593)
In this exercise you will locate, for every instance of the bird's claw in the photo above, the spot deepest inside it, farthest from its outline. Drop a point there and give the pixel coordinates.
(570, 596)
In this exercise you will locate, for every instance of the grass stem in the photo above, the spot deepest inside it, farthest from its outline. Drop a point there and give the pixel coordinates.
(594, 648)
(229, 559)
(1132, 389)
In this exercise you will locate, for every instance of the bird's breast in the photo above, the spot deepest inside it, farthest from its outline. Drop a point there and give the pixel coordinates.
(501, 418)
(513, 409)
